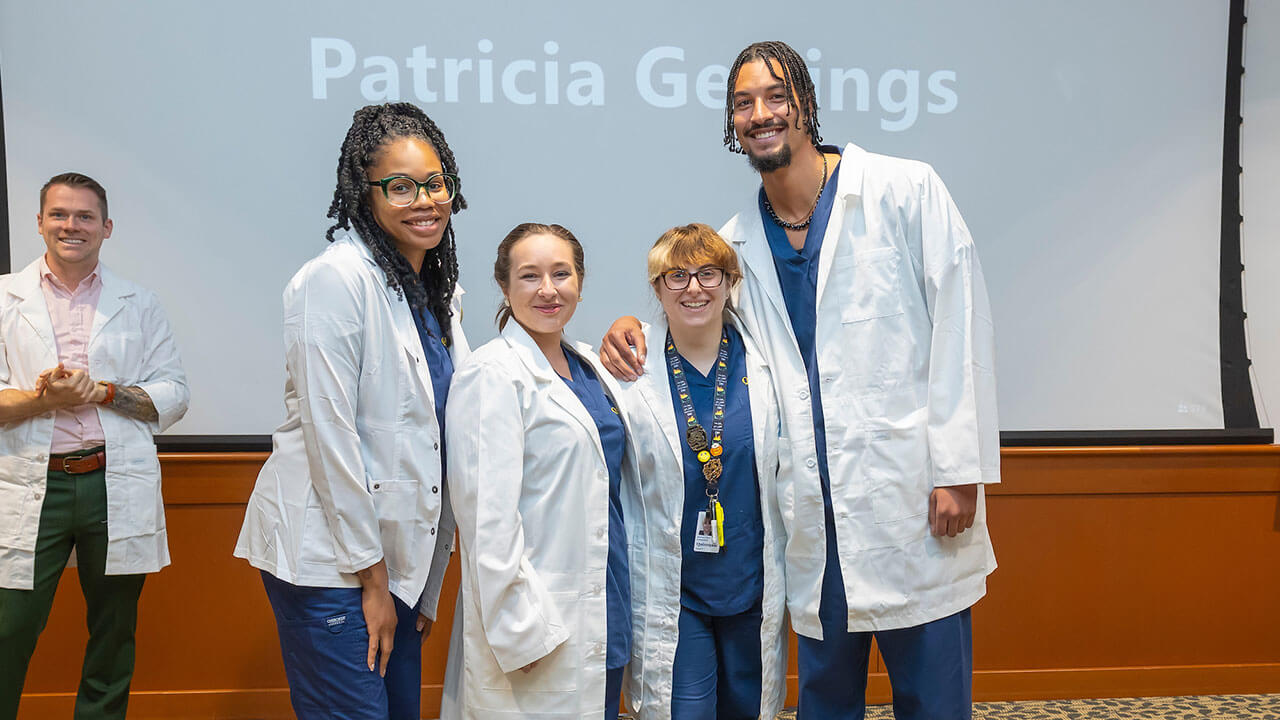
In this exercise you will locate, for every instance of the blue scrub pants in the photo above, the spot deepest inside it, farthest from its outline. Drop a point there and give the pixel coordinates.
(930, 666)
(716, 674)
(613, 692)
(325, 644)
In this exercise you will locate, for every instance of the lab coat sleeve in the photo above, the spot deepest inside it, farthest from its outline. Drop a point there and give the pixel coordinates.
(485, 430)
(161, 375)
(324, 336)
(964, 436)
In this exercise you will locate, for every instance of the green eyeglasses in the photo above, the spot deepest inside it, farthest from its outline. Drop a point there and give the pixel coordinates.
(402, 191)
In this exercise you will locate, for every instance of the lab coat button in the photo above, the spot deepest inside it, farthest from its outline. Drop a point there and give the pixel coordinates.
(804, 394)
(433, 531)
(810, 462)
(377, 485)
(38, 495)
(600, 532)
(435, 489)
(435, 446)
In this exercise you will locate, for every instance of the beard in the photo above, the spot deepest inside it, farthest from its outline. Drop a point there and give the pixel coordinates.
(770, 163)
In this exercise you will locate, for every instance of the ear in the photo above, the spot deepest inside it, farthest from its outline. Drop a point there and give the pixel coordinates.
(106, 226)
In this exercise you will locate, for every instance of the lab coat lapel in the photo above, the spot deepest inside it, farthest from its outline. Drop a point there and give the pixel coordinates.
(654, 389)
(405, 328)
(110, 302)
(458, 347)
(32, 307)
(548, 380)
(761, 402)
(757, 258)
(849, 186)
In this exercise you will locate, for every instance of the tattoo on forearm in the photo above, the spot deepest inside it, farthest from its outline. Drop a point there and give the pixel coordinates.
(134, 402)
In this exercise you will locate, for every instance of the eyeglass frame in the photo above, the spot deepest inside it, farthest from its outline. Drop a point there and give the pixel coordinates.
(693, 277)
(418, 191)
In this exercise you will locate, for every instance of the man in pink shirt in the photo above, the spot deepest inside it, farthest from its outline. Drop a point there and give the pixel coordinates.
(88, 373)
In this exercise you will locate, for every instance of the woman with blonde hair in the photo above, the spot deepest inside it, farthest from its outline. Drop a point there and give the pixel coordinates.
(710, 592)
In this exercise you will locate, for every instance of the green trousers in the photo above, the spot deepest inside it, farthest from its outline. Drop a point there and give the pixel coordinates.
(74, 514)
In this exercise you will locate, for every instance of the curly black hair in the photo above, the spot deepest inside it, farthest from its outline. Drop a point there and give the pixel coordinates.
(795, 78)
(372, 127)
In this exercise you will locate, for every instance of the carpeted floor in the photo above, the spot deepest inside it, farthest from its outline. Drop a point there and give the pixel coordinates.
(1207, 707)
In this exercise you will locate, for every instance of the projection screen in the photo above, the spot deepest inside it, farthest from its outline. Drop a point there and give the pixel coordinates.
(1081, 140)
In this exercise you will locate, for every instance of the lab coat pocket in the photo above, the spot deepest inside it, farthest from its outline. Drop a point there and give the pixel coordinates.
(870, 285)
(900, 506)
(144, 513)
(121, 354)
(557, 671)
(17, 499)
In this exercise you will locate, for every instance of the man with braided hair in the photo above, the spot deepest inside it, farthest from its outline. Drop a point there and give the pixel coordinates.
(89, 372)
(349, 522)
(863, 287)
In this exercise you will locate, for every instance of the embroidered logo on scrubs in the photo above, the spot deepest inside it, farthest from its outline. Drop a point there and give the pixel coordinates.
(335, 623)
(615, 410)
(744, 379)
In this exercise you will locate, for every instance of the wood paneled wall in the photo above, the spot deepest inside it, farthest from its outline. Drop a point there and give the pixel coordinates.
(1123, 572)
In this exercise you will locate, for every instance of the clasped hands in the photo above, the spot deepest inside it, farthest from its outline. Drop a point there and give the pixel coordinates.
(69, 388)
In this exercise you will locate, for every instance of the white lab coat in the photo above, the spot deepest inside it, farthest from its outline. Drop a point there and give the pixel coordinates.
(656, 549)
(905, 353)
(354, 474)
(531, 496)
(130, 344)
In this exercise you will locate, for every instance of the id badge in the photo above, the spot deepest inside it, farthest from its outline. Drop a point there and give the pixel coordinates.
(705, 538)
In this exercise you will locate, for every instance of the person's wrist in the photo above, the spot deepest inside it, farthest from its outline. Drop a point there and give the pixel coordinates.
(104, 393)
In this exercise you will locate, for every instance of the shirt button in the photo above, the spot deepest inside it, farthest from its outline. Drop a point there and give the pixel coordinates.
(435, 446)
(435, 489)
(377, 485)
(38, 495)
(810, 462)
(804, 394)
(433, 531)
(600, 532)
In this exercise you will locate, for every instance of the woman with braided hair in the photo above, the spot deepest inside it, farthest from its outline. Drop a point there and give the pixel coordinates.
(349, 522)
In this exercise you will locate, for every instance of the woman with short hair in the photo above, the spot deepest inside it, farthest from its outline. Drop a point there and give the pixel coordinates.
(711, 593)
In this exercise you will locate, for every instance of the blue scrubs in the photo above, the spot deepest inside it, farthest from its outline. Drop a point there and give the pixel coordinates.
(325, 643)
(323, 636)
(937, 689)
(439, 364)
(613, 439)
(717, 668)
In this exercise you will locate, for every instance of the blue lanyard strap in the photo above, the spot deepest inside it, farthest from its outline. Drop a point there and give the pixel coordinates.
(694, 433)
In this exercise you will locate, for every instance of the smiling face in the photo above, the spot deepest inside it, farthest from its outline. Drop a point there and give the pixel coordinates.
(695, 308)
(420, 226)
(543, 288)
(769, 129)
(73, 227)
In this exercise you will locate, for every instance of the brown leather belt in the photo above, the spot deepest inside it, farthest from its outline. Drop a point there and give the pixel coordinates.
(78, 464)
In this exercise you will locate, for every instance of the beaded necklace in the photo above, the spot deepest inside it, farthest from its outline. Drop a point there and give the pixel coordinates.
(800, 225)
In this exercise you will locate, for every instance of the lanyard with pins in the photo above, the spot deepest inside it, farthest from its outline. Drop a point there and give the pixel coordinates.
(695, 435)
